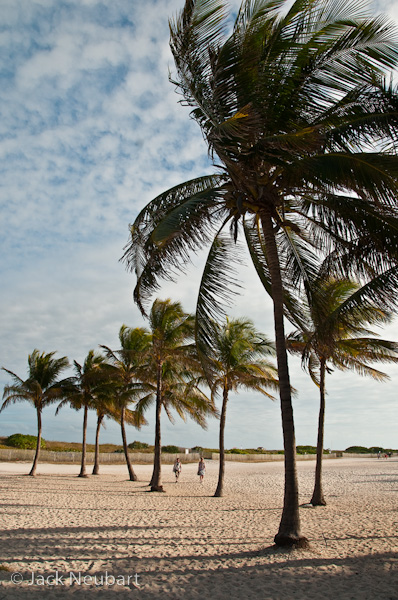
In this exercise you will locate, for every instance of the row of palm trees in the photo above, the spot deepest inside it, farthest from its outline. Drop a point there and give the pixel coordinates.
(297, 106)
(161, 365)
(157, 366)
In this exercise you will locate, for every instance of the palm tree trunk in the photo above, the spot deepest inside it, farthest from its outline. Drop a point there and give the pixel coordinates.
(220, 484)
(156, 480)
(96, 454)
(317, 496)
(289, 528)
(38, 444)
(133, 476)
(84, 445)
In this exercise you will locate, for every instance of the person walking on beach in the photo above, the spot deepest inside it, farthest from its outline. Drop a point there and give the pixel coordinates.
(201, 469)
(177, 468)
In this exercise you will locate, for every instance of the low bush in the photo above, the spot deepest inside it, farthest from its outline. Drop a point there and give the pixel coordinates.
(24, 441)
(357, 450)
(170, 449)
(306, 449)
(138, 445)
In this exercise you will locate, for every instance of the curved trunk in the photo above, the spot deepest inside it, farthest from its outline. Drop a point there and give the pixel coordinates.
(156, 480)
(317, 496)
(32, 472)
(96, 455)
(84, 445)
(133, 476)
(289, 529)
(220, 485)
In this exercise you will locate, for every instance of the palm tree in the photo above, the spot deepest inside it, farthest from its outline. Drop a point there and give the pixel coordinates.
(336, 334)
(175, 372)
(83, 392)
(41, 388)
(105, 405)
(290, 105)
(238, 360)
(126, 370)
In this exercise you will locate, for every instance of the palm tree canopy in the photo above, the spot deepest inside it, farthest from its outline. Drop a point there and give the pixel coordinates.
(172, 329)
(337, 329)
(297, 111)
(42, 387)
(174, 362)
(238, 358)
(85, 387)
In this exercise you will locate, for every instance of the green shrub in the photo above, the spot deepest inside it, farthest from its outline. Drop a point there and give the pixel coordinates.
(198, 449)
(306, 449)
(357, 450)
(170, 449)
(138, 445)
(24, 441)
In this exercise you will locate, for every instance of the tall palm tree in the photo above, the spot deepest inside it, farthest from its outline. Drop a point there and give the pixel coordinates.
(238, 361)
(126, 370)
(289, 104)
(83, 392)
(175, 372)
(336, 334)
(42, 388)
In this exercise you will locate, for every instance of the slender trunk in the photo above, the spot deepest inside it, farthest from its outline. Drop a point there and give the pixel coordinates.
(38, 444)
(96, 455)
(289, 528)
(133, 476)
(156, 480)
(220, 485)
(84, 445)
(317, 496)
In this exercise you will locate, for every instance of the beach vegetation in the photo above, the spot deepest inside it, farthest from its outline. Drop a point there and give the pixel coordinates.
(83, 391)
(238, 357)
(335, 334)
(24, 441)
(300, 120)
(41, 388)
(138, 445)
(125, 370)
(174, 374)
(170, 449)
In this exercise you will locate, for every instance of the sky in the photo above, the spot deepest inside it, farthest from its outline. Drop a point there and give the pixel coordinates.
(91, 129)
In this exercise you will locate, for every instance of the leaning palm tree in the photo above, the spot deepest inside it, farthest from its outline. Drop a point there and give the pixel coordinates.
(238, 361)
(83, 391)
(41, 388)
(126, 370)
(175, 372)
(336, 334)
(289, 104)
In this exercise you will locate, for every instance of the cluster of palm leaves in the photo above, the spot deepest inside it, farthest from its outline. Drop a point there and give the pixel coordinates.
(297, 105)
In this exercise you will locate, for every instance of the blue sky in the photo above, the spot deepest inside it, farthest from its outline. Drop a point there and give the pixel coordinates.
(90, 131)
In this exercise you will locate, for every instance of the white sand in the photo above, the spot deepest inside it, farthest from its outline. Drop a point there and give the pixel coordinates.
(185, 544)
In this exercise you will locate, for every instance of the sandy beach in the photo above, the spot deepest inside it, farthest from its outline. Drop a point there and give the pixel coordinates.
(66, 537)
